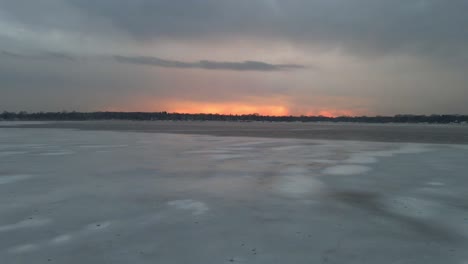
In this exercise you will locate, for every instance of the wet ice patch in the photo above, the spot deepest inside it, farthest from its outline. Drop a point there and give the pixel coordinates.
(23, 248)
(196, 207)
(346, 170)
(29, 223)
(4, 179)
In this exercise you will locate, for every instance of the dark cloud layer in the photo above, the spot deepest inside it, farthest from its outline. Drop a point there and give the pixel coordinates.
(429, 27)
(209, 65)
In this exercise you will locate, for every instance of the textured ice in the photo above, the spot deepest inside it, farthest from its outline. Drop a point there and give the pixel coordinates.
(195, 207)
(29, 223)
(165, 198)
(61, 239)
(435, 183)
(297, 181)
(346, 169)
(10, 153)
(97, 226)
(56, 153)
(4, 179)
(23, 248)
(361, 159)
(413, 207)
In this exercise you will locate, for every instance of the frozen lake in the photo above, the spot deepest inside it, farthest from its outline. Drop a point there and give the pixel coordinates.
(70, 196)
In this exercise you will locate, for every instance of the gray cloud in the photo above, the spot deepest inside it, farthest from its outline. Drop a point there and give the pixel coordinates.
(209, 65)
(428, 27)
(39, 56)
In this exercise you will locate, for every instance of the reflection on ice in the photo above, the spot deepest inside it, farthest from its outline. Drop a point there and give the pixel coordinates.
(204, 199)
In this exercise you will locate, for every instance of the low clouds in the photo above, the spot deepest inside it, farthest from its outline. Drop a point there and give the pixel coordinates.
(209, 65)
(40, 56)
(248, 65)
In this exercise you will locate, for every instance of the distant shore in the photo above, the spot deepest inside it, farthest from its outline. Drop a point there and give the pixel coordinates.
(417, 133)
(165, 116)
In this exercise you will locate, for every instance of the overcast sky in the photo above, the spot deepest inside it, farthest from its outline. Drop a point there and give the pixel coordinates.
(331, 57)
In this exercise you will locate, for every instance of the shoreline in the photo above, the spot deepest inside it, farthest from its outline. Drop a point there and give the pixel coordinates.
(398, 133)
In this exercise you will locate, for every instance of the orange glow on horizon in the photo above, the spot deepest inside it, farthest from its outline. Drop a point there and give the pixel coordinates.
(237, 108)
(332, 113)
(227, 108)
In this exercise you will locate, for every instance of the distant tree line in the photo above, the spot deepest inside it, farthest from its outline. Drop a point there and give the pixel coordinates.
(81, 116)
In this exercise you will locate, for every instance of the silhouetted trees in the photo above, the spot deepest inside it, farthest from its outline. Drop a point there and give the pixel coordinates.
(81, 116)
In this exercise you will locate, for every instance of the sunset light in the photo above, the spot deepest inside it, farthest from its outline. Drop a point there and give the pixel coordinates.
(227, 108)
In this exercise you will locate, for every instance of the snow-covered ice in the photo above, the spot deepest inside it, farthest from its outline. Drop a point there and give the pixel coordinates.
(70, 196)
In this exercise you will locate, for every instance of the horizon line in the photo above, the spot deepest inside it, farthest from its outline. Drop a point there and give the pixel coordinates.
(218, 114)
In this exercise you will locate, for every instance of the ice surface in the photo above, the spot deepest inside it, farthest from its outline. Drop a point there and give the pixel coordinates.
(121, 197)
(29, 223)
(4, 179)
(361, 159)
(346, 169)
